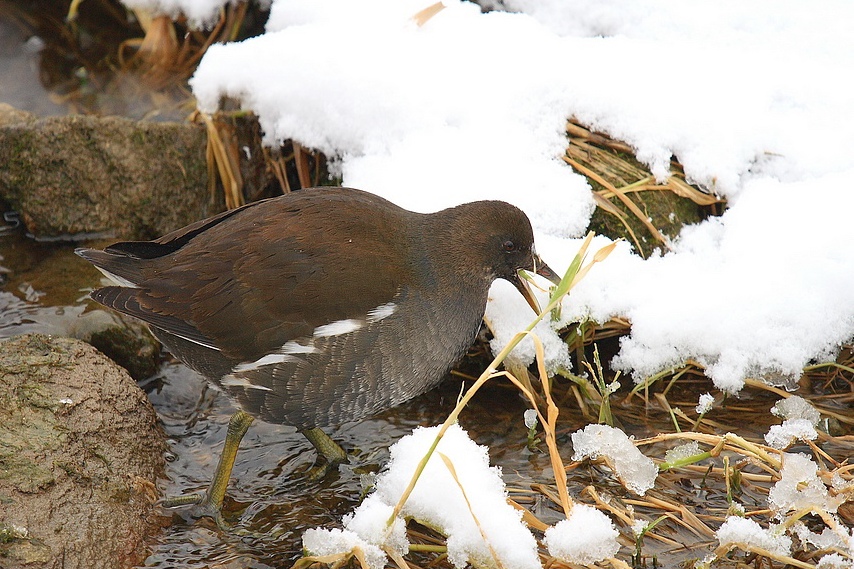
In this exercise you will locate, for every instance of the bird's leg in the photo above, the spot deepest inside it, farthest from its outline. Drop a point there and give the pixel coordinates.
(328, 449)
(211, 500)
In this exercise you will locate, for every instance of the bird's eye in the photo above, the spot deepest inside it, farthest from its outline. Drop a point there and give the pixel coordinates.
(509, 246)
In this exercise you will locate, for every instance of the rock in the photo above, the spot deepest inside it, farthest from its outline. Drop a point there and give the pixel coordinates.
(112, 176)
(137, 180)
(129, 344)
(80, 455)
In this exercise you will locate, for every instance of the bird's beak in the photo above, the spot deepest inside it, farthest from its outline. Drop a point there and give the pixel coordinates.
(521, 283)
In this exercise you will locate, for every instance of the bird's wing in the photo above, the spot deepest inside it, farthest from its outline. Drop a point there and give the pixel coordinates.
(251, 280)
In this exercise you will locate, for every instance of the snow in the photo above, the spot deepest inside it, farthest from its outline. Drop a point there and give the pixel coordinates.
(834, 561)
(321, 542)
(752, 97)
(781, 436)
(741, 532)
(369, 522)
(840, 485)
(586, 537)
(639, 527)
(827, 539)
(441, 502)
(636, 471)
(506, 323)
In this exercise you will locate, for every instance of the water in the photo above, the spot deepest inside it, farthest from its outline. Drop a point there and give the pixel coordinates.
(20, 59)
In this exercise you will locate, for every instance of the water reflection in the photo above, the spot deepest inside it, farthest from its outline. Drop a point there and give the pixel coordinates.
(20, 59)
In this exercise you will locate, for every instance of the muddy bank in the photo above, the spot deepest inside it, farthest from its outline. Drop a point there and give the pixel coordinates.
(80, 457)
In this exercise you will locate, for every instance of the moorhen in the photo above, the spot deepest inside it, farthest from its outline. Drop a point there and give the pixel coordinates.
(320, 306)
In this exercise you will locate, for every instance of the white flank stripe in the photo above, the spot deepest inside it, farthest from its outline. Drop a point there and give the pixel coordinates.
(197, 342)
(233, 381)
(293, 347)
(121, 281)
(381, 311)
(268, 360)
(282, 355)
(337, 328)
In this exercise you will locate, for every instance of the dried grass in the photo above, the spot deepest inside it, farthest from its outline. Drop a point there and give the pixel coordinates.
(161, 60)
(614, 173)
(223, 158)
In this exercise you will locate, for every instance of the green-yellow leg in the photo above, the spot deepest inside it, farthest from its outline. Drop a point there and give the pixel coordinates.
(328, 449)
(211, 500)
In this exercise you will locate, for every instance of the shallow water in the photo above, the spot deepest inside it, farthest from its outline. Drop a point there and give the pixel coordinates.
(20, 59)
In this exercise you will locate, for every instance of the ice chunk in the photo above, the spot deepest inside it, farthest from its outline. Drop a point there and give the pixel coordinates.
(636, 471)
(799, 487)
(796, 407)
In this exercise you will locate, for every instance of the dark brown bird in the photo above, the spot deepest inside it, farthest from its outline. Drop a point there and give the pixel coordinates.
(320, 306)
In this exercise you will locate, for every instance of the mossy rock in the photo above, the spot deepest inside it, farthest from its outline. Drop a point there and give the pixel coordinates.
(74, 176)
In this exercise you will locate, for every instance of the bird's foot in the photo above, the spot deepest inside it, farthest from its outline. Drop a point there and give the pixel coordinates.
(320, 471)
(330, 454)
(203, 506)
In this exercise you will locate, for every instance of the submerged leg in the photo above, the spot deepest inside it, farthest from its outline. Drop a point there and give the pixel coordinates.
(328, 449)
(211, 500)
